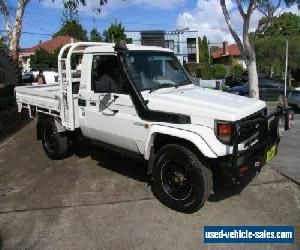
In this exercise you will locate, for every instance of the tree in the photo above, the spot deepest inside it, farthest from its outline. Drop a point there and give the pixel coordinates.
(219, 71)
(95, 35)
(270, 45)
(116, 31)
(43, 59)
(203, 50)
(287, 24)
(73, 29)
(71, 25)
(246, 9)
(14, 30)
(237, 70)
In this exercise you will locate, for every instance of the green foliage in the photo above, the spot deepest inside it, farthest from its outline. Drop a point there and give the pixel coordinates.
(203, 50)
(237, 70)
(219, 71)
(3, 43)
(207, 74)
(287, 24)
(73, 29)
(44, 60)
(129, 40)
(75, 4)
(70, 12)
(192, 67)
(216, 71)
(95, 35)
(70, 23)
(115, 31)
(270, 48)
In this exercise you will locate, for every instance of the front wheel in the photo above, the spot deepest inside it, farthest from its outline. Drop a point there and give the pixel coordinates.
(180, 180)
(54, 143)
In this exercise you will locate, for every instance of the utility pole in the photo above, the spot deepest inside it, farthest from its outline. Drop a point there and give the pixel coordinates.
(208, 45)
(286, 69)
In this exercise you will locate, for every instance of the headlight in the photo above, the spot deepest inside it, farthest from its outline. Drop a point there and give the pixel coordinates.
(280, 125)
(224, 131)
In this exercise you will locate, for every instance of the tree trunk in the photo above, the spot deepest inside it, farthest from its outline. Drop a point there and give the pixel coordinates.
(16, 34)
(253, 79)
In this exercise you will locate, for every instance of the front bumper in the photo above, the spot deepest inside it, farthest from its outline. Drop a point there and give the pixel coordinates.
(253, 158)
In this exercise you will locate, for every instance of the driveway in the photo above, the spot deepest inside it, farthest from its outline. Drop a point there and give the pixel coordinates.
(287, 160)
(100, 199)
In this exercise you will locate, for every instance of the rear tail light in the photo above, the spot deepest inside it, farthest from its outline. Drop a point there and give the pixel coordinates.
(224, 132)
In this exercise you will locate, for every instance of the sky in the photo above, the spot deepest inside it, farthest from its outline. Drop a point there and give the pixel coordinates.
(43, 17)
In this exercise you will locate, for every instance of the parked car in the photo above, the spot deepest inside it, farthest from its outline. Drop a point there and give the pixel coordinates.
(294, 99)
(27, 77)
(268, 89)
(233, 81)
(140, 99)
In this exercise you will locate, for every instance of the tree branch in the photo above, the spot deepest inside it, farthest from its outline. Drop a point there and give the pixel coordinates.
(268, 11)
(240, 7)
(5, 12)
(246, 37)
(232, 31)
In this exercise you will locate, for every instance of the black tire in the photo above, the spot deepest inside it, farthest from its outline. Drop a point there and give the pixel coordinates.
(55, 144)
(9, 70)
(180, 180)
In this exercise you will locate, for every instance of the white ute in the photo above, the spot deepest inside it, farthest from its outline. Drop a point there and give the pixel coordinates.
(140, 99)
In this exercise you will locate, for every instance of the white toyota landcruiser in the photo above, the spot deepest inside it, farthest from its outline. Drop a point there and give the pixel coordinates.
(140, 99)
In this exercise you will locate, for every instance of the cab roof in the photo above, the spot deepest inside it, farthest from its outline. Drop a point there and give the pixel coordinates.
(109, 47)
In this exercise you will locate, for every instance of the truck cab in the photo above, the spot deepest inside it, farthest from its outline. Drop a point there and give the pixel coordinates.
(141, 99)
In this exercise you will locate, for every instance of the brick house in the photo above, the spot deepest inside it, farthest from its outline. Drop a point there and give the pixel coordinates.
(223, 55)
(49, 46)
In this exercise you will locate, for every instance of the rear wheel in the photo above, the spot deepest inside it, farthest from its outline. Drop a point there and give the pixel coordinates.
(55, 144)
(180, 180)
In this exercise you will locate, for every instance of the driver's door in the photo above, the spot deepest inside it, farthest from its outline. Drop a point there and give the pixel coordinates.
(109, 114)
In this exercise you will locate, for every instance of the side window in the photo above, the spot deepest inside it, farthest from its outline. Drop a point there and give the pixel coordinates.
(106, 75)
(268, 84)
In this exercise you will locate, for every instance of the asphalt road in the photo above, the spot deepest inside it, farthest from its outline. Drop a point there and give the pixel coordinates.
(98, 199)
(288, 158)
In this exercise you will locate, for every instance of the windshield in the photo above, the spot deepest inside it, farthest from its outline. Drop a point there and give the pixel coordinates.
(153, 70)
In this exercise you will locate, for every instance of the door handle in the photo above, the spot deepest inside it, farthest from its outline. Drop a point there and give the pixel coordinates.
(92, 103)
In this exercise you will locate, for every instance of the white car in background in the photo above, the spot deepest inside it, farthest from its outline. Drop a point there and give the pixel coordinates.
(51, 77)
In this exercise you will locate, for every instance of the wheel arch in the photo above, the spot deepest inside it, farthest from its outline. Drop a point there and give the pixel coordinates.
(161, 136)
(40, 124)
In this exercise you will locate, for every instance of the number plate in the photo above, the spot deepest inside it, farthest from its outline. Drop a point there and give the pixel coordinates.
(271, 153)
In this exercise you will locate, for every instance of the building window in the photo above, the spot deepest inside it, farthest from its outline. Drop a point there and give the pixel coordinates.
(191, 45)
(192, 57)
(191, 49)
(169, 44)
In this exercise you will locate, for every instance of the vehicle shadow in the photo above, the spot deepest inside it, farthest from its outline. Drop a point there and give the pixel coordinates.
(224, 188)
(116, 160)
(11, 122)
(132, 166)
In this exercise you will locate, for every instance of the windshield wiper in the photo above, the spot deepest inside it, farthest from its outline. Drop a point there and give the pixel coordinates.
(182, 83)
(160, 86)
